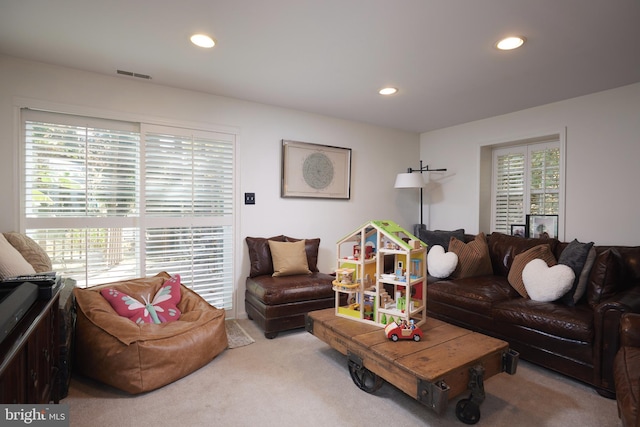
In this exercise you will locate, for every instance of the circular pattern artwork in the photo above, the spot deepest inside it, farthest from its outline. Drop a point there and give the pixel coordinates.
(317, 171)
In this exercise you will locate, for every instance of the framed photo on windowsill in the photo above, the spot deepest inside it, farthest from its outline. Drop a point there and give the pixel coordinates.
(542, 226)
(315, 171)
(518, 230)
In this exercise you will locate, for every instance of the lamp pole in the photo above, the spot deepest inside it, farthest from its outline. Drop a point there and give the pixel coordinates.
(423, 169)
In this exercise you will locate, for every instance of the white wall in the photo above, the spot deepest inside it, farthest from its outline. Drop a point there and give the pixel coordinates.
(602, 164)
(378, 153)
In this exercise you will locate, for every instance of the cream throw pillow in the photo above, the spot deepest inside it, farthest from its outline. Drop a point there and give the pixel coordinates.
(30, 250)
(544, 283)
(288, 258)
(521, 260)
(440, 263)
(11, 262)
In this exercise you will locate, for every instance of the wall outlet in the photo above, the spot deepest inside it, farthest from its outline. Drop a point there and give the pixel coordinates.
(249, 198)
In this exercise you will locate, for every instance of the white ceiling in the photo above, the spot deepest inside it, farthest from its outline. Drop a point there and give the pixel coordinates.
(332, 56)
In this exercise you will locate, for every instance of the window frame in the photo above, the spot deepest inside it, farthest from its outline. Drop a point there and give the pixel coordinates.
(20, 104)
(488, 180)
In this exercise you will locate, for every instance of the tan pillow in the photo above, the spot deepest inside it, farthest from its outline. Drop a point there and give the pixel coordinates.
(288, 258)
(521, 260)
(11, 262)
(30, 250)
(473, 257)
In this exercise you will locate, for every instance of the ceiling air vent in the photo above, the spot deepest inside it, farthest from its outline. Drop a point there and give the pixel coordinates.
(132, 74)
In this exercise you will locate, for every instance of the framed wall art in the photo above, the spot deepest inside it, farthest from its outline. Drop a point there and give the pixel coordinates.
(316, 171)
(542, 226)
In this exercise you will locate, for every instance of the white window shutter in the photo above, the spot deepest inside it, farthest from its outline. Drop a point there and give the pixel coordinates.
(109, 201)
(526, 181)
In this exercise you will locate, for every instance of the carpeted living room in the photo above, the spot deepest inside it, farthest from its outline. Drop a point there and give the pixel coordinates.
(297, 379)
(319, 213)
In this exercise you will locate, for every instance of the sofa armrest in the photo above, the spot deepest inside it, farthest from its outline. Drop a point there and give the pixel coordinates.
(630, 330)
(606, 323)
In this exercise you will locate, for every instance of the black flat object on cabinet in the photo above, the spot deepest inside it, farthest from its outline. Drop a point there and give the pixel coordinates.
(29, 356)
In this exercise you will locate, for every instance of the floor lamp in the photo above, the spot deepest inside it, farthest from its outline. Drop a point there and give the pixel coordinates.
(413, 179)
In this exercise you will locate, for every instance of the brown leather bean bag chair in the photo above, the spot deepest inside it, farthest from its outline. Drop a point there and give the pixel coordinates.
(138, 358)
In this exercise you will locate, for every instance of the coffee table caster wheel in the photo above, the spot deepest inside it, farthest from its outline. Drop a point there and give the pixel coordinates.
(364, 378)
(468, 411)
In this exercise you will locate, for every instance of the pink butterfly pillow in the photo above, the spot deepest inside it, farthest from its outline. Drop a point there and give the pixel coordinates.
(161, 309)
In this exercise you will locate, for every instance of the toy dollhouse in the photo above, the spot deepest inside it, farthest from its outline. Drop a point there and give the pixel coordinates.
(382, 269)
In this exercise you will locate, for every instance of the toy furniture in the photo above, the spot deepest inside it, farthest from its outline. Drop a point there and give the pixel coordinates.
(137, 358)
(447, 362)
(373, 295)
(627, 370)
(279, 303)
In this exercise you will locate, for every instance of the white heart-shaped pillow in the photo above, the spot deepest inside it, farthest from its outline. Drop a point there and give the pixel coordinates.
(439, 263)
(544, 283)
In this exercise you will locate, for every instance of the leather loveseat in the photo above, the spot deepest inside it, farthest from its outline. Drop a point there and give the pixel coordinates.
(280, 303)
(579, 340)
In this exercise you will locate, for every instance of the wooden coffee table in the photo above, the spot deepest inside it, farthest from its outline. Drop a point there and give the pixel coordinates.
(445, 363)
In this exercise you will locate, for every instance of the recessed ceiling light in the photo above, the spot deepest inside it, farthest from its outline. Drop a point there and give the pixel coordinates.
(388, 91)
(202, 40)
(510, 43)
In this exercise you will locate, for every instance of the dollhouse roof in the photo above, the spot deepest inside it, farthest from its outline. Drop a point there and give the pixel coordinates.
(389, 229)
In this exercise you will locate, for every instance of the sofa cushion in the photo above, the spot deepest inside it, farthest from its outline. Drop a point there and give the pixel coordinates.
(475, 294)
(260, 255)
(504, 248)
(605, 276)
(521, 260)
(311, 247)
(544, 283)
(12, 263)
(441, 264)
(288, 289)
(440, 237)
(581, 289)
(473, 257)
(30, 250)
(575, 256)
(573, 323)
(289, 258)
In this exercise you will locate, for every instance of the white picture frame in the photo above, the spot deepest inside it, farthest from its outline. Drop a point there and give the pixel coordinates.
(542, 226)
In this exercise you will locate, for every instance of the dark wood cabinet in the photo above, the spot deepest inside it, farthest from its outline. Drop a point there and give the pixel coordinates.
(29, 356)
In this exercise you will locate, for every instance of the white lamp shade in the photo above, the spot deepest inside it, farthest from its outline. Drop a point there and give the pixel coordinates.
(409, 180)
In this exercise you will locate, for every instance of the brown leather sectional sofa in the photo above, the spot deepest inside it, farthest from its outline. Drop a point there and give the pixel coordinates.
(579, 341)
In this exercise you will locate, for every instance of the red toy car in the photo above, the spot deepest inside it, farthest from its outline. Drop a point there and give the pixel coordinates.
(403, 331)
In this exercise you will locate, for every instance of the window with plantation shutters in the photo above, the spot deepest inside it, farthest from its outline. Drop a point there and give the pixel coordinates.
(526, 181)
(188, 208)
(509, 188)
(110, 200)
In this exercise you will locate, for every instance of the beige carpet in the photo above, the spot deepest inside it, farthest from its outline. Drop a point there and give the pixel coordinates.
(236, 335)
(298, 380)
